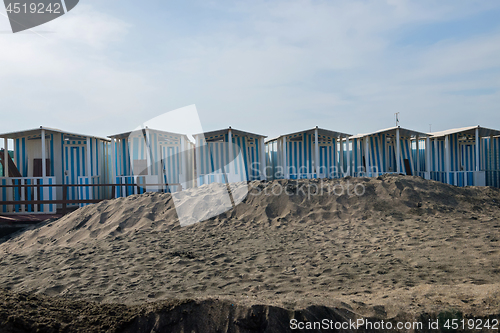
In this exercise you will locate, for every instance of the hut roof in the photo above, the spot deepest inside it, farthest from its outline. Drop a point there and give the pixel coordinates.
(236, 132)
(483, 132)
(38, 132)
(321, 131)
(127, 134)
(403, 132)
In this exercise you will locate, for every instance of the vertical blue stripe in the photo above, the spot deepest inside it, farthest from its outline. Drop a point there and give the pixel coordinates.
(25, 165)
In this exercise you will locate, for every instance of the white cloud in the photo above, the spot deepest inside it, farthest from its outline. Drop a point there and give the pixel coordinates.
(68, 77)
(295, 64)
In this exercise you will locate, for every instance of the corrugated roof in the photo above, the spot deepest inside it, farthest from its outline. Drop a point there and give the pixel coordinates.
(471, 130)
(36, 131)
(403, 132)
(321, 131)
(234, 131)
(126, 134)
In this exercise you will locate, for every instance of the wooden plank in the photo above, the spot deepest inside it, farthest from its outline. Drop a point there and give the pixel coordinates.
(12, 168)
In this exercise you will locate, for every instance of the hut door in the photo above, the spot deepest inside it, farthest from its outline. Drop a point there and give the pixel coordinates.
(467, 157)
(171, 164)
(408, 167)
(253, 172)
(74, 167)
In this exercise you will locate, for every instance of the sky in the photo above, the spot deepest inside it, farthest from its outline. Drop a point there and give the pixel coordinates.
(267, 67)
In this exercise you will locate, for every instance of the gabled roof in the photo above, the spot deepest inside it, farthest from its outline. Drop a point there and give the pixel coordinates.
(233, 131)
(37, 131)
(471, 130)
(403, 132)
(127, 134)
(321, 131)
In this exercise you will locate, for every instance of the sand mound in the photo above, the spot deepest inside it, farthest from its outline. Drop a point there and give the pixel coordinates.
(402, 244)
(267, 203)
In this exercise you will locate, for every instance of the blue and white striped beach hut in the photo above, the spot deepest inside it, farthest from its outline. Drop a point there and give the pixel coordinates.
(465, 156)
(150, 156)
(217, 161)
(51, 156)
(312, 153)
(391, 150)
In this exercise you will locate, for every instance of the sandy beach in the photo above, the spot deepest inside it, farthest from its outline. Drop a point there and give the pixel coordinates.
(406, 248)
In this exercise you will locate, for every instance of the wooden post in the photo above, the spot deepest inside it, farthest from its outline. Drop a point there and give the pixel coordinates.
(98, 190)
(341, 157)
(367, 155)
(6, 158)
(95, 165)
(263, 161)
(113, 161)
(65, 197)
(478, 150)
(198, 158)
(491, 162)
(386, 157)
(89, 165)
(428, 157)
(348, 157)
(418, 155)
(44, 157)
(118, 158)
(183, 159)
(398, 151)
(231, 151)
(285, 168)
(148, 152)
(436, 155)
(447, 158)
(316, 152)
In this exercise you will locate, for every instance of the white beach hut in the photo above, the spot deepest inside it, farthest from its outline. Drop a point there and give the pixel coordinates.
(312, 153)
(465, 156)
(391, 150)
(217, 161)
(149, 156)
(46, 156)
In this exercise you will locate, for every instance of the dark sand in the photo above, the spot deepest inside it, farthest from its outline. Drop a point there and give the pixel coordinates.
(407, 249)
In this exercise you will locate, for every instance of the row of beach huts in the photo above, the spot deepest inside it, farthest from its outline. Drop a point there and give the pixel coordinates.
(154, 160)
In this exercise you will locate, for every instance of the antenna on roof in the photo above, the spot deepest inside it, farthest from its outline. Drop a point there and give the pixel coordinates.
(430, 128)
(397, 118)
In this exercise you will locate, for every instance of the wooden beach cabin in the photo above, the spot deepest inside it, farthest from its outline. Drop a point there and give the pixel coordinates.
(391, 150)
(465, 156)
(149, 156)
(50, 156)
(312, 153)
(217, 161)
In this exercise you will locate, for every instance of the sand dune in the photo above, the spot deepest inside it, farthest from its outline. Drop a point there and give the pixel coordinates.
(405, 246)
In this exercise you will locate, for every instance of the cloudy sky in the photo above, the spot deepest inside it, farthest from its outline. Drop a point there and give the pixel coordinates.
(269, 67)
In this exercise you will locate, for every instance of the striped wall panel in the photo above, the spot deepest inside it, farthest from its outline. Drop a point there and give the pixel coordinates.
(171, 164)
(136, 148)
(214, 159)
(301, 156)
(74, 165)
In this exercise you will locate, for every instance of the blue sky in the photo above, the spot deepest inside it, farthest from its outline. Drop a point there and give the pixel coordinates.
(269, 67)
